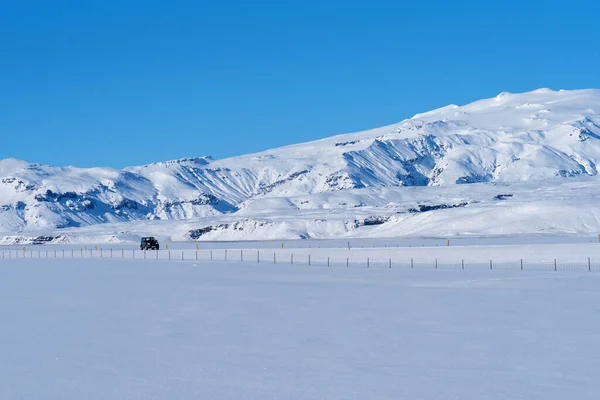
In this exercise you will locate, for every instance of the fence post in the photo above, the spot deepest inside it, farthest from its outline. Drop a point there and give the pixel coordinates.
(169, 254)
(521, 264)
(367, 262)
(258, 256)
(390, 263)
(328, 261)
(589, 264)
(490, 264)
(101, 253)
(181, 255)
(225, 254)
(555, 265)
(211, 255)
(411, 263)
(462, 263)
(241, 255)
(274, 259)
(144, 254)
(292, 259)
(63, 253)
(309, 260)
(347, 263)
(436, 263)
(122, 253)
(196, 254)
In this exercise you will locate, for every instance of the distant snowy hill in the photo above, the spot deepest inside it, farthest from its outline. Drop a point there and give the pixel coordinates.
(540, 137)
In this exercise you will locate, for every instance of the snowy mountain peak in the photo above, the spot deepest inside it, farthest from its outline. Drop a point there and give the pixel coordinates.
(538, 135)
(205, 160)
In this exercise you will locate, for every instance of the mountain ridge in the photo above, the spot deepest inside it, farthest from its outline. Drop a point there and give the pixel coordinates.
(533, 136)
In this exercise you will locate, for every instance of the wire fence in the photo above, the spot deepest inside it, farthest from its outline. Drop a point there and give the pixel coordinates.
(302, 258)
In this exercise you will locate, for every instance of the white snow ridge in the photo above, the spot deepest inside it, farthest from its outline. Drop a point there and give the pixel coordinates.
(513, 164)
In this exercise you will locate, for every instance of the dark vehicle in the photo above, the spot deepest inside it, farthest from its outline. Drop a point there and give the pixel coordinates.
(149, 243)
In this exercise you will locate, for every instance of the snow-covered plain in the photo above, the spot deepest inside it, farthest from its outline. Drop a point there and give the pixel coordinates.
(146, 329)
(514, 253)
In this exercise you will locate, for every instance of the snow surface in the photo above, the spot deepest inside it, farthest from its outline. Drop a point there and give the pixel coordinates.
(542, 147)
(566, 207)
(147, 329)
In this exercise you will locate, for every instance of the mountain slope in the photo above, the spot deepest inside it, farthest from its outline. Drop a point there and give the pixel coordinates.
(532, 136)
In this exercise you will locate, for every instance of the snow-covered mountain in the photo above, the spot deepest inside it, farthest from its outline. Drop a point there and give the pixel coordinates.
(541, 137)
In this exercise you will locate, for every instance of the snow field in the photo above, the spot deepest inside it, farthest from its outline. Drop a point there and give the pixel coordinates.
(134, 329)
(436, 254)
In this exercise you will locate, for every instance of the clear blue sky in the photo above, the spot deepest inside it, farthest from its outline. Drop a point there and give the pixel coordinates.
(117, 83)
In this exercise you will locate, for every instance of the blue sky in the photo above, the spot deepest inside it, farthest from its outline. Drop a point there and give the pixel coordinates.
(117, 83)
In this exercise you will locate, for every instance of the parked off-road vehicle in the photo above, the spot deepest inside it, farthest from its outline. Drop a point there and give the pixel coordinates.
(149, 243)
